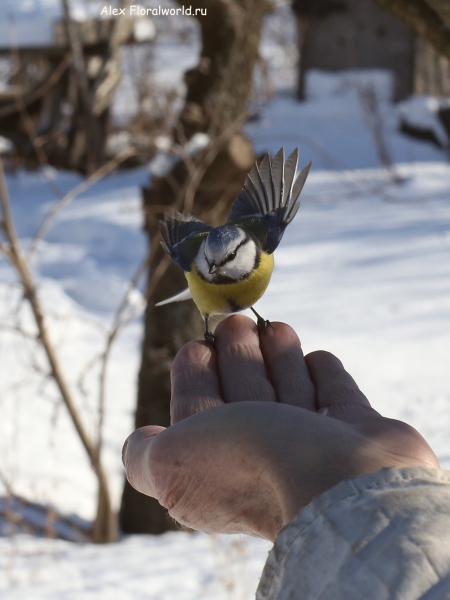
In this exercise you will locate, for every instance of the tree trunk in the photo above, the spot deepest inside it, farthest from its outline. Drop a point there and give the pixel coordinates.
(218, 89)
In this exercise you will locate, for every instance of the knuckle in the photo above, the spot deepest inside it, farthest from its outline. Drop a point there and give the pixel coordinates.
(194, 380)
(165, 467)
(192, 374)
(290, 363)
(353, 407)
(171, 492)
(298, 390)
(241, 351)
(341, 389)
(189, 404)
(256, 389)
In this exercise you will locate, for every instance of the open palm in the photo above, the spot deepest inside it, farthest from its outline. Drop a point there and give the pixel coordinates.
(258, 430)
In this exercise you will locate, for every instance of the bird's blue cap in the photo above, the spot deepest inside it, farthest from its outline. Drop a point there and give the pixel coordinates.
(222, 238)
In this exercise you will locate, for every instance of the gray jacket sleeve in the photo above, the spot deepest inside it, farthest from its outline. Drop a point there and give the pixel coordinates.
(381, 536)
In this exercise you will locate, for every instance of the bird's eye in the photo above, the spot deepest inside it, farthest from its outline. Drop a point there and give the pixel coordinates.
(231, 256)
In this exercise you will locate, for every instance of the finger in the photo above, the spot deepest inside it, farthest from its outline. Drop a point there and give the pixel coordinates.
(136, 460)
(195, 381)
(336, 390)
(287, 367)
(243, 374)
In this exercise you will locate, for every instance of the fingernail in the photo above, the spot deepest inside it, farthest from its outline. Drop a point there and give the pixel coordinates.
(124, 450)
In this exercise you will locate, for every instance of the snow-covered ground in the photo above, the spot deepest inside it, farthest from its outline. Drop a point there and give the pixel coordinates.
(175, 566)
(363, 271)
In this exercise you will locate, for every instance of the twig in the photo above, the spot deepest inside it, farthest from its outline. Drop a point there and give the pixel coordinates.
(373, 119)
(21, 108)
(76, 46)
(157, 275)
(11, 511)
(187, 195)
(104, 525)
(423, 17)
(4, 249)
(41, 90)
(76, 191)
(40, 152)
(6, 483)
(116, 328)
(18, 330)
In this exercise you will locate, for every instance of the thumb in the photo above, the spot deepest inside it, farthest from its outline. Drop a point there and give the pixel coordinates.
(136, 458)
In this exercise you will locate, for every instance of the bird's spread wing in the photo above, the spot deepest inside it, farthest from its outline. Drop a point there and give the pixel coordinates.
(184, 295)
(182, 236)
(269, 199)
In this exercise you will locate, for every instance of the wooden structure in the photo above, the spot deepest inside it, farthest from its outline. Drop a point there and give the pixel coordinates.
(43, 105)
(432, 71)
(354, 34)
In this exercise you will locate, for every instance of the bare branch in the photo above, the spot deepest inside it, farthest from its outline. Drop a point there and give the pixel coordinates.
(40, 91)
(76, 47)
(117, 326)
(219, 142)
(76, 191)
(40, 152)
(21, 107)
(374, 121)
(422, 16)
(104, 531)
(18, 330)
(157, 275)
(442, 8)
(4, 249)
(95, 99)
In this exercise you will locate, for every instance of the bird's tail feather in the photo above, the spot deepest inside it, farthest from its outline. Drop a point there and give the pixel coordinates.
(184, 295)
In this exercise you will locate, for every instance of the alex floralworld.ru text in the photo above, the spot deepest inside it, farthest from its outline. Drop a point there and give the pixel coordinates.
(135, 10)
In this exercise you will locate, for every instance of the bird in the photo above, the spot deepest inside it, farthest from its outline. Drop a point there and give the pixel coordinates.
(229, 267)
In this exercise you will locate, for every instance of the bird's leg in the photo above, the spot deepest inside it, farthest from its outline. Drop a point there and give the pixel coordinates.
(209, 337)
(262, 323)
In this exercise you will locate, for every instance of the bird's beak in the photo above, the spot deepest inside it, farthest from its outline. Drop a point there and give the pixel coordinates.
(213, 268)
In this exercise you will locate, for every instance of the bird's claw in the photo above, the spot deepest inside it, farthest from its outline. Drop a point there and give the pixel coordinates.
(210, 337)
(263, 324)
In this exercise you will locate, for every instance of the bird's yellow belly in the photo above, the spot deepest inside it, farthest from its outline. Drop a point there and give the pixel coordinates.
(214, 298)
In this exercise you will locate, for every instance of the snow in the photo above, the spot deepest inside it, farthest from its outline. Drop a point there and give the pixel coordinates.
(5, 145)
(139, 567)
(363, 271)
(368, 278)
(84, 267)
(422, 111)
(332, 127)
(144, 30)
(168, 155)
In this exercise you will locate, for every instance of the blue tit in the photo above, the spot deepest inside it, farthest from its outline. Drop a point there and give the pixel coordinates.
(228, 268)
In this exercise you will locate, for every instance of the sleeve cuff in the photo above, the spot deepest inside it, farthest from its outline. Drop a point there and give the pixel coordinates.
(379, 536)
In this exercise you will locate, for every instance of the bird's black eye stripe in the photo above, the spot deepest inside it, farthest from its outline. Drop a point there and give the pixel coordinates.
(232, 255)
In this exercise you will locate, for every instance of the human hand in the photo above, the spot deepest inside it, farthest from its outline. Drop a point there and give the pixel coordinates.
(249, 445)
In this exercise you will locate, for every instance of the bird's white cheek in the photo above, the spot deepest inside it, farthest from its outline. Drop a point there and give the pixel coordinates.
(242, 265)
(202, 265)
